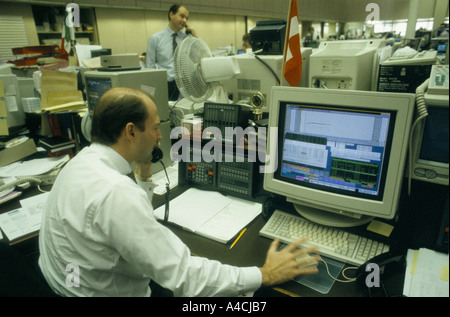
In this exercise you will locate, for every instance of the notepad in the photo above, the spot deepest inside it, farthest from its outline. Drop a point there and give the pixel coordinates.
(210, 214)
(426, 274)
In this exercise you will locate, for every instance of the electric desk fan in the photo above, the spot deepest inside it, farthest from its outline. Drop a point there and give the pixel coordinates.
(198, 74)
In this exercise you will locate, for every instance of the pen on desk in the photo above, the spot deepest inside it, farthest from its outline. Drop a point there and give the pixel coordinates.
(238, 237)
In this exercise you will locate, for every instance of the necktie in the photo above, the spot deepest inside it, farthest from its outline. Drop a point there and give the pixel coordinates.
(174, 41)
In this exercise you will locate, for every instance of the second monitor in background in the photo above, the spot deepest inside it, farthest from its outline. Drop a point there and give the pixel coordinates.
(347, 65)
(259, 74)
(151, 81)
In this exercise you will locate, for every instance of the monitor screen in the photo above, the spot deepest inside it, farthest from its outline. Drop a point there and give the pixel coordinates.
(95, 88)
(442, 48)
(337, 149)
(340, 154)
(435, 138)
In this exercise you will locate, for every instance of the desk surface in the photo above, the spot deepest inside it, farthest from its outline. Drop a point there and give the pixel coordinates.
(251, 248)
(251, 251)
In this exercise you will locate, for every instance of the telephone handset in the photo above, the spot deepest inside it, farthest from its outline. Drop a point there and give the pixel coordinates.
(20, 181)
(188, 31)
(157, 155)
(382, 261)
(43, 179)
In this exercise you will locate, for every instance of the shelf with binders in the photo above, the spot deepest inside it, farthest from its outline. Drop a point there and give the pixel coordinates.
(63, 125)
(49, 21)
(57, 145)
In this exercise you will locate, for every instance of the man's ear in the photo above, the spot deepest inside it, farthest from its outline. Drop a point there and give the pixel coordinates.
(130, 130)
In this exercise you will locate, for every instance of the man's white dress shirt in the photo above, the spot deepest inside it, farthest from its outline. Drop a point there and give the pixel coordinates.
(98, 226)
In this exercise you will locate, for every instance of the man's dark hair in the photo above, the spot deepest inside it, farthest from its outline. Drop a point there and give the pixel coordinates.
(116, 108)
(174, 9)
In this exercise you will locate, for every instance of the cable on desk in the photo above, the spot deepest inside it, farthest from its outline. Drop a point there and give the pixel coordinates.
(347, 279)
(167, 195)
(41, 190)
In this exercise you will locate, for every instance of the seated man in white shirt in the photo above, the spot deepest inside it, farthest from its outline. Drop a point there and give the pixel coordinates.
(99, 224)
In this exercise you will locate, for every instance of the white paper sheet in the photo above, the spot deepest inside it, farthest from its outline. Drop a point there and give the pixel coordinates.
(210, 214)
(20, 222)
(32, 167)
(427, 274)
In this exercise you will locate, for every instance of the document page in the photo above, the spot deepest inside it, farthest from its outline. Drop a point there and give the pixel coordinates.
(427, 274)
(232, 219)
(210, 214)
(193, 208)
(20, 222)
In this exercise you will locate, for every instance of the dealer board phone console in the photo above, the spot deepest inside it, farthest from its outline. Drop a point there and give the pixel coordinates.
(230, 173)
(236, 177)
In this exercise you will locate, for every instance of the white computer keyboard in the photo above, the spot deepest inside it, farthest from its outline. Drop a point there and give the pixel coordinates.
(333, 243)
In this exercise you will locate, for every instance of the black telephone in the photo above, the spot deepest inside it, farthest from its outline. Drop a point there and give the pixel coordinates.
(383, 260)
(157, 155)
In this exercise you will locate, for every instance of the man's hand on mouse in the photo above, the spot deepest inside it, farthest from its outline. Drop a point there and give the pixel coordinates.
(283, 265)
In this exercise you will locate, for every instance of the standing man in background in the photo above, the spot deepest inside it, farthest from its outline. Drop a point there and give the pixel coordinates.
(161, 46)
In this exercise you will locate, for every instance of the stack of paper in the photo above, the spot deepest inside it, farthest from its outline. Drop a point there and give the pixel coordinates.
(23, 221)
(33, 167)
(426, 274)
(59, 92)
(210, 214)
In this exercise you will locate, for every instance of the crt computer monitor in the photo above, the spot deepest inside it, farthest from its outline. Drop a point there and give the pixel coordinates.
(95, 88)
(259, 74)
(347, 65)
(430, 142)
(341, 154)
(151, 81)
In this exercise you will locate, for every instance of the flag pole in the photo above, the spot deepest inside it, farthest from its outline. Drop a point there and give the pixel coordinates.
(286, 37)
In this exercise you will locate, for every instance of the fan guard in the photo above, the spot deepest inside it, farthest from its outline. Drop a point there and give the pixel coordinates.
(188, 76)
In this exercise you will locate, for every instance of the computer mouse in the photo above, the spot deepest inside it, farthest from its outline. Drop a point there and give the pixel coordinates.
(308, 261)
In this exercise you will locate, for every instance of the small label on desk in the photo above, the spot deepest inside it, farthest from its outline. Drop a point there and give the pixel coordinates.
(444, 273)
(380, 228)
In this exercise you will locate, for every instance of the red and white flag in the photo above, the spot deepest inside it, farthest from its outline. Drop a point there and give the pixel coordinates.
(292, 52)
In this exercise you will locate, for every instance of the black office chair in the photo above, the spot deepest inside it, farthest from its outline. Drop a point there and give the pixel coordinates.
(18, 277)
